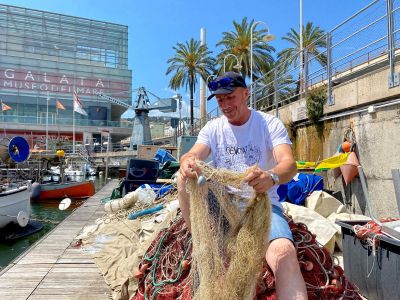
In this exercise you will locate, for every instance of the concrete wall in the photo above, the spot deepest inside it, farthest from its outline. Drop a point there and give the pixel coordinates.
(359, 91)
(377, 136)
(378, 145)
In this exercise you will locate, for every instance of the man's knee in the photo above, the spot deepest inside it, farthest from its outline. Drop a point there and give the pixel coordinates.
(281, 251)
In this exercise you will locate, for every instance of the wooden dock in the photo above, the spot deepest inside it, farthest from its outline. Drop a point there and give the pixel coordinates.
(53, 268)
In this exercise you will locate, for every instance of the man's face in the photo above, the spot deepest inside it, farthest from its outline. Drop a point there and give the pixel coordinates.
(234, 105)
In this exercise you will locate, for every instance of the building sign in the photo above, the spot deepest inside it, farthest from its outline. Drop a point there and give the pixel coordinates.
(33, 80)
(38, 139)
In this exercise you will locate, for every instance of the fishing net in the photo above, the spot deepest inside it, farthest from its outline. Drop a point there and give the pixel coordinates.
(223, 257)
(164, 273)
(229, 233)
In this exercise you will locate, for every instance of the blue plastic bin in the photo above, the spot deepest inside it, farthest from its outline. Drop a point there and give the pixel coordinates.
(162, 156)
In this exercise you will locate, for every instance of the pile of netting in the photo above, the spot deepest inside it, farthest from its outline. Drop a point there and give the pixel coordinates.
(370, 232)
(224, 256)
(164, 270)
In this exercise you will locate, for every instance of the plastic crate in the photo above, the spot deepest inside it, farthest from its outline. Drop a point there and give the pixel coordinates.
(383, 282)
(142, 169)
(163, 156)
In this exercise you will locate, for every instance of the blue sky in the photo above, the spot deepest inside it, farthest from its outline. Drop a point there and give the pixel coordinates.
(155, 26)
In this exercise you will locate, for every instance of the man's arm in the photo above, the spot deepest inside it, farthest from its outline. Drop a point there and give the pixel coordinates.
(285, 168)
(188, 166)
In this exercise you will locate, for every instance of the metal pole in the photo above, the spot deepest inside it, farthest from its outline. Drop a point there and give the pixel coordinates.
(107, 156)
(301, 46)
(251, 64)
(237, 60)
(276, 92)
(331, 101)
(73, 123)
(203, 101)
(269, 37)
(47, 120)
(391, 46)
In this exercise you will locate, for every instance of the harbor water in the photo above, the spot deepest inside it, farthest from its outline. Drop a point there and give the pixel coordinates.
(49, 215)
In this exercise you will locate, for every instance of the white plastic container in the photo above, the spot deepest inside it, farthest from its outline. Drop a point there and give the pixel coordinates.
(145, 194)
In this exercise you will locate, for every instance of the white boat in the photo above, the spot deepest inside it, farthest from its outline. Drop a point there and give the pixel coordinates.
(15, 205)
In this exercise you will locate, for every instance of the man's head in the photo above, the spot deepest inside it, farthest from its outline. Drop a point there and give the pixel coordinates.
(232, 95)
(226, 84)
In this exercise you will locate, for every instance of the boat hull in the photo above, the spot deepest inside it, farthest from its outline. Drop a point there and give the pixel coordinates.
(73, 190)
(13, 201)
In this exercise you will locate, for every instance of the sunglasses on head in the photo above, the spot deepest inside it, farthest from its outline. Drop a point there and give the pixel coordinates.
(224, 83)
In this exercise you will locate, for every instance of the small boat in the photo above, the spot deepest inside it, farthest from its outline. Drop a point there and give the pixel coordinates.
(54, 190)
(15, 205)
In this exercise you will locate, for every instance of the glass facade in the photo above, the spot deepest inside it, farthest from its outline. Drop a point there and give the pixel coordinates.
(45, 57)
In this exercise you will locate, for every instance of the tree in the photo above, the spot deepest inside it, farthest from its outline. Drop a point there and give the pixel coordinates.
(314, 45)
(191, 59)
(238, 42)
(274, 80)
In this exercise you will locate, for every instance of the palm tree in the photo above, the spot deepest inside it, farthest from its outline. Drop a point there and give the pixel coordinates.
(238, 42)
(314, 45)
(191, 59)
(274, 80)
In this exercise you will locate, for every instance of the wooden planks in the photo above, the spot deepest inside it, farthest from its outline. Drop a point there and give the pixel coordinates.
(53, 268)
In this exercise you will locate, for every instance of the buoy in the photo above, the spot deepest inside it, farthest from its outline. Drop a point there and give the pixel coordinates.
(60, 153)
(22, 218)
(35, 190)
(336, 283)
(185, 264)
(346, 147)
(201, 180)
(308, 265)
(138, 274)
(144, 268)
(349, 170)
(335, 274)
(64, 204)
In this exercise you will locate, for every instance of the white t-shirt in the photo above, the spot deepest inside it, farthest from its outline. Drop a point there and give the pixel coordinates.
(238, 147)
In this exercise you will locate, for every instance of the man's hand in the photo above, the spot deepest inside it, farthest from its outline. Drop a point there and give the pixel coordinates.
(188, 167)
(259, 179)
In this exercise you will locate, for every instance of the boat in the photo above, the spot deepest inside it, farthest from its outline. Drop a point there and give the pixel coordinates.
(54, 190)
(15, 205)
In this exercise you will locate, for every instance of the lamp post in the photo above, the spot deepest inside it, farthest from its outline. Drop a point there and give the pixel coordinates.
(47, 120)
(237, 66)
(301, 46)
(266, 38)
(178, 99)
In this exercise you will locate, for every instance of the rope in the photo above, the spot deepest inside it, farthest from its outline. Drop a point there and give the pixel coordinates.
(167, 277)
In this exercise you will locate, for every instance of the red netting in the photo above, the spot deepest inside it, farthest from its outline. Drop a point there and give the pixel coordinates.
(369, 232)
(165, 268)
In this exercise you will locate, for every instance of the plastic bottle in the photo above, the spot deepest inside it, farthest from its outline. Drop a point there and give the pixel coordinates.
(145, 194)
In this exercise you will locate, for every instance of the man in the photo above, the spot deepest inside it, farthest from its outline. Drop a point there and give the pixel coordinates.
(240, 138)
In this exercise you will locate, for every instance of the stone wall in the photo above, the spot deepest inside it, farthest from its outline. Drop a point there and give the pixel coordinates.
(378, 148)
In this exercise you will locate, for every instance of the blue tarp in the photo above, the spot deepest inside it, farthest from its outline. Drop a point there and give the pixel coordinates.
(297, 190)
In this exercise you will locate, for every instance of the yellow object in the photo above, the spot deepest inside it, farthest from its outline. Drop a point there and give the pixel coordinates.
(332, 162)
(60, 153)
(305, 164)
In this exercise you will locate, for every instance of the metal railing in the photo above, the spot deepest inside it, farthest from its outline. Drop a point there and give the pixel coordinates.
(9, 118)
(369, 38)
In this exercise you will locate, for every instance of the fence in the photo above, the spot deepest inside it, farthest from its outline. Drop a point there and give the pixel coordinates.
(366, 40)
